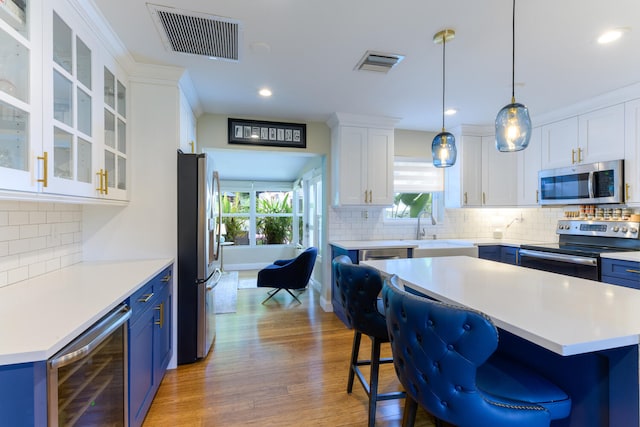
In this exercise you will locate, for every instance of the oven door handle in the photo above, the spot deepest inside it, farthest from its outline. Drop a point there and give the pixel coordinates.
(91, 339)
(573, 259)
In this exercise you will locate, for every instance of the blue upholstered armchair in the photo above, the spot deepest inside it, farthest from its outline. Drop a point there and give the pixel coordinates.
(444, 357)
(288, 274)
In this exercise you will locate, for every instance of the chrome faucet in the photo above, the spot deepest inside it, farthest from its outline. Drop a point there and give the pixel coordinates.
(421, 233)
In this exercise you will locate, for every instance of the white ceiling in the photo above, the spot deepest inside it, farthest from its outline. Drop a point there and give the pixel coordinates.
(305, 52)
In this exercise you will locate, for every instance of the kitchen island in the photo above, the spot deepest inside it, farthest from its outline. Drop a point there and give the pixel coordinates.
(582, 334)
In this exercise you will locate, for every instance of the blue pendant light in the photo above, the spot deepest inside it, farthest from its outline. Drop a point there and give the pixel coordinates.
(513, 125)
(443, 147)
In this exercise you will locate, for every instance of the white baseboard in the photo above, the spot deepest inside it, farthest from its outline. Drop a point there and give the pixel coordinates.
(326, 305)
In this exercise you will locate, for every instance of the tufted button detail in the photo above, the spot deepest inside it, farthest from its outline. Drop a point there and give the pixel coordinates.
(444, 403)
(466, 327)
(458, 388)
(450, 347)
(436, 365)
(430, 322)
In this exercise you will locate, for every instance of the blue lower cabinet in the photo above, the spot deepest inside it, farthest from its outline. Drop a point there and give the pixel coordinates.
(23, 394)
(492, 253)
(499, 253)
(149, 343)
(623, 273)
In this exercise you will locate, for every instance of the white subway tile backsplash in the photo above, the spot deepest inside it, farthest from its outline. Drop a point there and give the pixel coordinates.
(537, 224)
(37, 238)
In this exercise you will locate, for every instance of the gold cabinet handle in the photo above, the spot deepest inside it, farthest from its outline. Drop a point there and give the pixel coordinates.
(484, 198)
(629, 270)
(465, 198)
(99, 189)
(106, 181)
(370, 196)
(573, 157)
(626, 191)
(193, 146)
(166, 278)
(146, 297)
(45, 169)
(160, 321)
(580, 155)
(365, 196)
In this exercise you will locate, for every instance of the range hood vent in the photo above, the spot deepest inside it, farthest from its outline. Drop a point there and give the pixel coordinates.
(197, 33)
(378, 61)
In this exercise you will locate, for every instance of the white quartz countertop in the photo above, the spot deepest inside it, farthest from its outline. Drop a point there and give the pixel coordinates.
(623, 256)
(39, 316)
(564, 314)
(350, 245)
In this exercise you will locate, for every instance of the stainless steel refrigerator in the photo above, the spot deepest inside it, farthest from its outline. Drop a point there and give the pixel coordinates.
(199, 216)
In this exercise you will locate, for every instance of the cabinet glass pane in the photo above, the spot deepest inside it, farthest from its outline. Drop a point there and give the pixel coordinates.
(110, 166)
(122, 136)
(14, 67)
(14, 137)
(109, 88)
(83, 63)
(14, 13)
(122, 100)
(122, 173)
(62, 99)
(109, 129)
(62, 154)
(84, 160)
(84, 112)
(62, 44)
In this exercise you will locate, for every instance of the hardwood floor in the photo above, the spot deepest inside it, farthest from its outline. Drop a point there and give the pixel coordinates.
(278, 364)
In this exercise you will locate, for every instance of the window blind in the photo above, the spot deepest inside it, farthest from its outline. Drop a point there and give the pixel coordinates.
(412, 176)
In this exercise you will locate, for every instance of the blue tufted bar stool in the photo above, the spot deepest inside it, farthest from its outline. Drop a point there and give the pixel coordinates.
(359, 288)
(444, 358)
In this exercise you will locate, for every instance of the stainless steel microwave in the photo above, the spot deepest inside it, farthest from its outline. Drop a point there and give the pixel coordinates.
(591, 183)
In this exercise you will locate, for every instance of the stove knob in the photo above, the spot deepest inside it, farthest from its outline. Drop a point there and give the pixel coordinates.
(633, 230)
(624, 229)
(615, 229)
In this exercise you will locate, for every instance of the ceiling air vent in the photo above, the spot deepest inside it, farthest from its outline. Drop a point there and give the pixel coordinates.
(197, 33)
(378, 61)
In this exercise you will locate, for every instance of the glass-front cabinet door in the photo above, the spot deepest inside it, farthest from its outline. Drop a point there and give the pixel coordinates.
(69, 140)
(115, 135)
(19, 119)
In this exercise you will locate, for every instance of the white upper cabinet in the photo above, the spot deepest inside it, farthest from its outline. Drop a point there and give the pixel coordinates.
(632, 153)
(65, 138)
(20, 98)
(591, 137)
(499, 175)
(601, 134)
(529, 161)
(481, 176)
(560, 143)
(362, 160)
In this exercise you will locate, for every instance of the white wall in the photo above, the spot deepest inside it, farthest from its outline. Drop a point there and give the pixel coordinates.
(37, 238)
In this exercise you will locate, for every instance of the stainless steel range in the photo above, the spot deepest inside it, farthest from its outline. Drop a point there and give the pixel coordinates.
(580, 244)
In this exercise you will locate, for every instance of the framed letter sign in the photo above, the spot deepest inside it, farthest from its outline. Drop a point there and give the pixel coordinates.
(274, 134)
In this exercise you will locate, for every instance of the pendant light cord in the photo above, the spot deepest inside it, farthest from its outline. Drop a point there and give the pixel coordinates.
(444, 43)
(513, 54)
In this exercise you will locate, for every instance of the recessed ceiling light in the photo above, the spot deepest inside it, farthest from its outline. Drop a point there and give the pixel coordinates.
(450, 111)
(265, 92)
(611, 35)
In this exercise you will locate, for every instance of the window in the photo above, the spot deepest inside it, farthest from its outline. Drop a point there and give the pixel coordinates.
(258, 214)
(418, 187)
